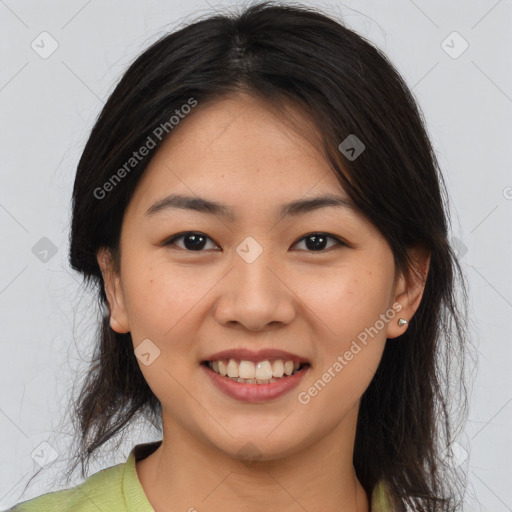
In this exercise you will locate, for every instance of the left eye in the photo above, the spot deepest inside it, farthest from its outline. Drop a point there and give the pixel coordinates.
(196, 241)
(317, 241)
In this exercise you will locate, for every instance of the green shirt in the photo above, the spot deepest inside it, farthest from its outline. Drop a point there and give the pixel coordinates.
(118, 489)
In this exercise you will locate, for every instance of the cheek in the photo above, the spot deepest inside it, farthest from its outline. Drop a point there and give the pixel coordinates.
(346, 301)
(350, 335)
(157, 298)
(350, 340)
(161, 308)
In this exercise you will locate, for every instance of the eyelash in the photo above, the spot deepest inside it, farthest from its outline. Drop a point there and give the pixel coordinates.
(339, 241)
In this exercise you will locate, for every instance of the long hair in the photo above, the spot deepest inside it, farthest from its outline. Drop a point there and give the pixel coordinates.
(293, 55)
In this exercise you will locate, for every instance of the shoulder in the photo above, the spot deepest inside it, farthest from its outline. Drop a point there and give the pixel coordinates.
(101, 491)
(381, 498)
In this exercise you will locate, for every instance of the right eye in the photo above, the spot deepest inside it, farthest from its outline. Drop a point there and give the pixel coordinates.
(192, 240)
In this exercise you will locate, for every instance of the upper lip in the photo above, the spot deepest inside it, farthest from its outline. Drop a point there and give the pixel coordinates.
(244, 354)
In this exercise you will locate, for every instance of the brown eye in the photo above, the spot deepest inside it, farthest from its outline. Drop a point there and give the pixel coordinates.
(316, 242)
(192, 240)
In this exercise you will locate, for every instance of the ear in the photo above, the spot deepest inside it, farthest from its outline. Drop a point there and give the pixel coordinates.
(409, 290)
(118, 315)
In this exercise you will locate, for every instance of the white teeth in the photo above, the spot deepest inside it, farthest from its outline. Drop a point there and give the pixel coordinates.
(277, 368)
(262, 372)
(232, 368)
(246, 370)
(288, 367)
(222, 368)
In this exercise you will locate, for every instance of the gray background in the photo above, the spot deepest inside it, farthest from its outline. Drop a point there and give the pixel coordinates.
(48, 106)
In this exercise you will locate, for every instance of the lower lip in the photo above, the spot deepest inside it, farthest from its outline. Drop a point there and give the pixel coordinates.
(255, 392)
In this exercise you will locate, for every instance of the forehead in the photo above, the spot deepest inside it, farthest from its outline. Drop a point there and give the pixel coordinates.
(238, 150)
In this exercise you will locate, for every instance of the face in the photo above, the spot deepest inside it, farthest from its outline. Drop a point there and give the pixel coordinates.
(318, 283)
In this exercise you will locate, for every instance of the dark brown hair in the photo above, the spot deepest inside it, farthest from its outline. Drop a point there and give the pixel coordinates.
(291, 54)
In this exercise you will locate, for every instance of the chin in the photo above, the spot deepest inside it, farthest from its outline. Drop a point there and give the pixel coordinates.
(257, 445)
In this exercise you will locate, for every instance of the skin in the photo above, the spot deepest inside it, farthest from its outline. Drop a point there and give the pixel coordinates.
(310, 302)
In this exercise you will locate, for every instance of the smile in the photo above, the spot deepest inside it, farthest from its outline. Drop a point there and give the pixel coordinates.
(249, 372)
(233, 385)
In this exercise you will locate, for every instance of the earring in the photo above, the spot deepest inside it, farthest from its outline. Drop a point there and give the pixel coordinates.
(402, 322)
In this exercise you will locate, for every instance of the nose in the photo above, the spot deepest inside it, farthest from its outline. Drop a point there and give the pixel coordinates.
(256, 295)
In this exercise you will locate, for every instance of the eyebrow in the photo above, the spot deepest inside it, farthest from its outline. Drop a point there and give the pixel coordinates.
(293, 208)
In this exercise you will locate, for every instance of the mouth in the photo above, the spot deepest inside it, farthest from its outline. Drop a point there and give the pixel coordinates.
(265, 371)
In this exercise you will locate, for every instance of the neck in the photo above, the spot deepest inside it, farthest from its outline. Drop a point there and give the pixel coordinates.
(187, 473)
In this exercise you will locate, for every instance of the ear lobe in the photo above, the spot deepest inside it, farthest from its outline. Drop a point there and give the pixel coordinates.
(118, 316)
(409, 289)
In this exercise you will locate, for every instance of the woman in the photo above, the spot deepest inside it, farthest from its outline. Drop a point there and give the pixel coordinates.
(262, 211)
